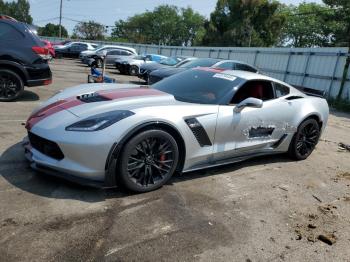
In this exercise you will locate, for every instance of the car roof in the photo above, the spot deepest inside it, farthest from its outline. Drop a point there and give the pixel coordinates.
(120, 47)
(246, 75)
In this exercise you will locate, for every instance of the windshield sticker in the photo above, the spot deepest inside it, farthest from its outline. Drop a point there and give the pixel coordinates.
(225, 76)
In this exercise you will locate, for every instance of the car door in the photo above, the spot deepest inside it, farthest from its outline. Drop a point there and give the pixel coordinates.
(112, 56)
(252, 130)
(73, 48)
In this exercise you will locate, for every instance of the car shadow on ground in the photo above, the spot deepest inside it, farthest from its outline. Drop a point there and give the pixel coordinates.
(27, 96)
(15, 169)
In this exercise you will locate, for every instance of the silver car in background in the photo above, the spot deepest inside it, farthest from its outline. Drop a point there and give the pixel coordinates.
(86, 55)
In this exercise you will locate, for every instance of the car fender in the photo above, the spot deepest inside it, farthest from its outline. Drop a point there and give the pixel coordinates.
(312, 106)
(7, 64)
(114, 153)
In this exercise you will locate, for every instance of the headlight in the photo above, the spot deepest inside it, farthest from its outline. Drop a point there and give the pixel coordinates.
(100, 121)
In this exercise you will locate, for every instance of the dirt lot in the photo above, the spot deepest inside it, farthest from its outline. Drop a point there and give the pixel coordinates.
(265, 209)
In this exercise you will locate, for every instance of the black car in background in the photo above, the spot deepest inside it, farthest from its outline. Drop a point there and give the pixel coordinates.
(173, 61)
(23, 59)
(73, 49)
(159, 74)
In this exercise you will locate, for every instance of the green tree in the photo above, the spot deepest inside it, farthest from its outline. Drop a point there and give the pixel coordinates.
(90, 30)
(192, 27)
(165, 25)
(52, 30)
(308, 25)
(19, 10)
(244, 23)
(342, 35)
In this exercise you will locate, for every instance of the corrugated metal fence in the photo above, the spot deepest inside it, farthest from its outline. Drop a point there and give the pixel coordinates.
(316, 68)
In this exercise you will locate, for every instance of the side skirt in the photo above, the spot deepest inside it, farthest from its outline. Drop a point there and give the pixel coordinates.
(230, 161)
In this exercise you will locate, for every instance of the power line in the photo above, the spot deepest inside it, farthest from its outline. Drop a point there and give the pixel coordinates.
(46, 20)
(60, 28)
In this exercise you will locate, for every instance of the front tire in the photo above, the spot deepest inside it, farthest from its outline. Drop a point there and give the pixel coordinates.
(134, 70)
(304, 140)
(11, 85)
(148, 161)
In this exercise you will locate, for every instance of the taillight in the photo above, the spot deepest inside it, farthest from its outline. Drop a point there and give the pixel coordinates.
(47, 82)
(43, 52)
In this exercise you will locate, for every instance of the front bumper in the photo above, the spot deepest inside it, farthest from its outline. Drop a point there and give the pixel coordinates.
(67, 169)
(152, 79)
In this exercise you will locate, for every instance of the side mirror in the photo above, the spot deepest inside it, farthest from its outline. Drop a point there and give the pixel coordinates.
(248, 102)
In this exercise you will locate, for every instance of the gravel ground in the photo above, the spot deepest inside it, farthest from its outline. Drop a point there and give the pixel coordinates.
(265, 209)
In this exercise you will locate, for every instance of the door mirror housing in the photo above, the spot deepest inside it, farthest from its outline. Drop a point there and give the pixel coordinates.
(249, 102)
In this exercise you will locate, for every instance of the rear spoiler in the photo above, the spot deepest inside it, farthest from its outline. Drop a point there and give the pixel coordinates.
(311, 92)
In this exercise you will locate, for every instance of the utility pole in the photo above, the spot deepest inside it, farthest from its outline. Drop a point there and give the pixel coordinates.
(60, 27)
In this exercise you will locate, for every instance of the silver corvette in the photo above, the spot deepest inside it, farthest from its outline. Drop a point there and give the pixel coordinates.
(138, 137)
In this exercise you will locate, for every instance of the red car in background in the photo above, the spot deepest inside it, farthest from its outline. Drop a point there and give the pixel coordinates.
(49, 46)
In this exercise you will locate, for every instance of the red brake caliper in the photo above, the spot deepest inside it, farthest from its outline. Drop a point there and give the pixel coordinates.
(162, 158)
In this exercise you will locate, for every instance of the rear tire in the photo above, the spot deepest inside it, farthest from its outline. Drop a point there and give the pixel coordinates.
(11, 85)
(305, 140)
(148, 161)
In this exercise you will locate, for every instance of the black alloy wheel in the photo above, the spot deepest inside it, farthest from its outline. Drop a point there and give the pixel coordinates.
(148, 161)
(11, 85)
(134, 70)
(305, 140)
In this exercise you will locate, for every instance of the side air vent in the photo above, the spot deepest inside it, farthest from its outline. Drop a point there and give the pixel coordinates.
(293, 97)
(198, 131)
(91, 98)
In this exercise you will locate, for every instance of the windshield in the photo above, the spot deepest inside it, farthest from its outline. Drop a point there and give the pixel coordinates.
(95, 46)
(202, 62)
(200, 86)
(181, 63)
(169, 61)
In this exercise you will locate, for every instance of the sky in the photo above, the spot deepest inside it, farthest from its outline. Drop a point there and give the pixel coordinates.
(108, 11)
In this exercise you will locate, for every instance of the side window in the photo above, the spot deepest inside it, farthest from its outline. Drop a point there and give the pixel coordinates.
(281, 90)
(226, 65)
(244, 67)
(148, 58)
(125, 53)
(83, 47)
(258, 89)
(7, 32)
(114, 52)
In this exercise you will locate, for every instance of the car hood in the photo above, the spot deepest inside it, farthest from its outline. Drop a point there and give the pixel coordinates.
(165, 72)
(99, 99)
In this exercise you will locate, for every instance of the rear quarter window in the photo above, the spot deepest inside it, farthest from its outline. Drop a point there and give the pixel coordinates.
(8, 33)
(281, 90)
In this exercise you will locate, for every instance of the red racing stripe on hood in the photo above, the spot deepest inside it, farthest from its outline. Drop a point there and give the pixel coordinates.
(50, 110)
(74, 101)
